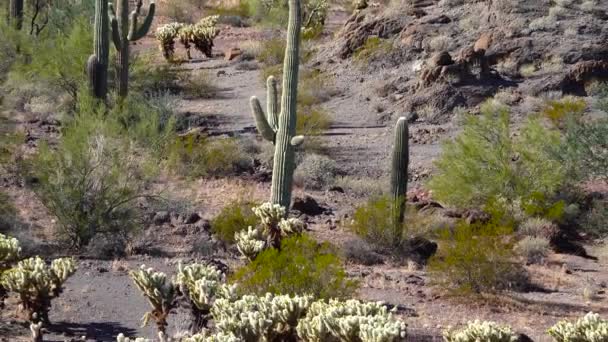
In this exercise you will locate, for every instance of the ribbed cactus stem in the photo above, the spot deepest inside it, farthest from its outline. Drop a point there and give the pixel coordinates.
(399, 173)
(277, 126)
(97, 66)
(16, 13)
(125, 30)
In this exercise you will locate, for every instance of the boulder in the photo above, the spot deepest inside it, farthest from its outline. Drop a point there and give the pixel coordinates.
(307, 206)
(232, 53)
(441, 59)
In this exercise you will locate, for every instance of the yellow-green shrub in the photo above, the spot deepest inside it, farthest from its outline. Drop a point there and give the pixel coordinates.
(234, 217)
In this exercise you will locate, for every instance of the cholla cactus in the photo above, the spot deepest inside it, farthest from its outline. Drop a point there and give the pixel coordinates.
(36, 331)
(37, 284)
(268, 318)
(185, 35)
(202, 284)
(166, 35)
(481, 331)
(590, 328)
(269, 214)
(122, 338)
(350, 321)
(250, 242)
(160, 292)
(204, 336)
(203, 34)
(9, 250)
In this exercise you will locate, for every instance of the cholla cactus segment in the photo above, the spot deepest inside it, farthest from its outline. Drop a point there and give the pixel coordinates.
(209, 21)
(590, 328)
(269, 214)
(481, 331)
(205, 336)
(166, 35)
(160, 292)
(62, 269)
(250, 242)
(122, 338)
(350, 321)
(291, 226)
(9, 249)
(253, 318)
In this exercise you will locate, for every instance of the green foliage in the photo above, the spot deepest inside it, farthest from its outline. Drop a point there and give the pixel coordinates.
(373, 47)
(7, 212)
(374, 222)
(584, 149)
(316, 172)
(199, 156)
(476, 258)
(275, 13)
(533, 249)
(302, 266)
(595, 221)
(486, 161)
(91, 180)
(233, 218)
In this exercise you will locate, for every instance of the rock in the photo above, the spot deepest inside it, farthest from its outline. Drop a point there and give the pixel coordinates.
(357, 29)
(441, 59)
(308, 206)
(420, 249)
(192, 218)
(203, 225)
(336, 188)
(161, 217)
(523, 338)
(232, 53)
(483, 43)
(439, 19)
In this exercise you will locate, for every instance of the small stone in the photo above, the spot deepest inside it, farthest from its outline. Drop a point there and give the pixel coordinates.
(192, 218)
(232, 53)
(161, 217)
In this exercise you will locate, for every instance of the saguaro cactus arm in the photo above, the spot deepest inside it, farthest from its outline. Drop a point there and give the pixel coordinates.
(115, 28)
(399, 169)
(97, 64)
(138, 33)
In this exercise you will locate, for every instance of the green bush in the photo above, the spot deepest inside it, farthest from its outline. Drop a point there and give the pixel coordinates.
(486, 161)
(90, 182)
(234, 217)
(374, 46)
(533, 249)
(595, 221)
(476, 258)
(316, 172)
(275, 12)
(373, 222)
(7, 212)
(302, 266)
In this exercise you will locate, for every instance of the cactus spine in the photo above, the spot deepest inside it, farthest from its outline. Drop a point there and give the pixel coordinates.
(124, 31)
(399, 173)
(280, 128)
(97, 66)
(16, 13)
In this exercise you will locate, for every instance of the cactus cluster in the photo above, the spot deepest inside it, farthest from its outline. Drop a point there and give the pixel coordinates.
(160, 292)
(590, 328)
(202, 285)
(9, 250)
(351, 320)
(278, 125)
(199, 35)
(272, 229)
(125, 30)
(481, 331)
(37, 284)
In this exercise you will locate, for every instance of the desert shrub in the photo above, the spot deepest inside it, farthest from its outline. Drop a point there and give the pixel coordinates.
(538, 227)
(37, 284)
(595, 221)
(91, 181)
(476, 259)
(7, 212)
(272, 51)
(533, 249)
(198, 84)
(361, 187)
(559, 110)
(148, 78)
(486, 161)
(199, 156)
(373, 222)
(302, 266)
(275, 12)
(316, 171)
(373, 47)
(481, 331)
(589, 328)
(233, 218)
(360, 252)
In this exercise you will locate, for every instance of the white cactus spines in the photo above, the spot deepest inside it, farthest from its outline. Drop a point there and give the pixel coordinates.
(590, 328)
(166, 35)
(481, 331)
(250, 242)
(266, 318)
(269, 214)
(206, 337)
(9, 249)
(291, 226)
(203, 34)
(351, 320)
(122, 338)
(160, 292)
(37, 284)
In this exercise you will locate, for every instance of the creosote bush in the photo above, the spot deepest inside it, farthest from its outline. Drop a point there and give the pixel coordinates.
(533, 249)
(316, 172)
(302, 266)
(233, 218)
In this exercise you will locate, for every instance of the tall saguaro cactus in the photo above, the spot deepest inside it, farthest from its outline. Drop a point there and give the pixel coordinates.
(280, 127)
(97, 66)
(16, 13)
(400, 162)
(125, 31)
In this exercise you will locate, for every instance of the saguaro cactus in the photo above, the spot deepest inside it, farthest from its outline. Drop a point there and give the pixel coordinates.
(97, 66)
(16, 13)
(124, 31)
(280, 128)
(399, 172)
